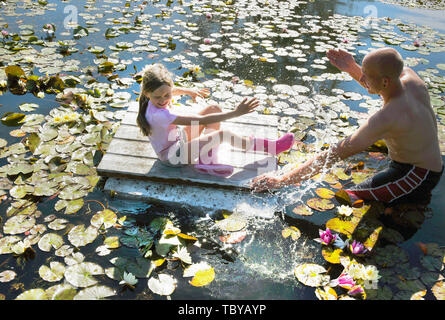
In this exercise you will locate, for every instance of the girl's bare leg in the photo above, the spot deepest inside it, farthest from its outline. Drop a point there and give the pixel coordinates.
(201, 146)
(194, 132)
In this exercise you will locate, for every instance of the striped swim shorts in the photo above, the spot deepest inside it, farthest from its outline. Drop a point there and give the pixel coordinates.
(399, 183)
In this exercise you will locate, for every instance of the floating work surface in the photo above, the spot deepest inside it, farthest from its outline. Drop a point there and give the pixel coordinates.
(131, 156)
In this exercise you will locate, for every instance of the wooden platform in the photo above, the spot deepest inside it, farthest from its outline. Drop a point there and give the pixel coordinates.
(134, 172)
(131, 156)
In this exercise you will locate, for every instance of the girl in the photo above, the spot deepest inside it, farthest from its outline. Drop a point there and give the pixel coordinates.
(178, 139)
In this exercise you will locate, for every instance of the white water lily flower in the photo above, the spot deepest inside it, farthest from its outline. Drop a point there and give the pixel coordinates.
(41, 95)
(357, 271)
(345, 210)
(129, 278)
(3, 84)
(371, 273)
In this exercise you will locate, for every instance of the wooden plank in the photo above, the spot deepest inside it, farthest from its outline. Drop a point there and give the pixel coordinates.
(227, 155)
(113, 165)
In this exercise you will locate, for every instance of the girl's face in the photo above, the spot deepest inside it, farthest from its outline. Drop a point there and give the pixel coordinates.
(161, 97)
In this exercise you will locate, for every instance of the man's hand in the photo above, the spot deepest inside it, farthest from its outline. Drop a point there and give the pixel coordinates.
(341, 59)
(265, 182)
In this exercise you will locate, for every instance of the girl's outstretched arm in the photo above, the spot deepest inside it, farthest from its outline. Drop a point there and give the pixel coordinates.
(246, 106)
(192, 92)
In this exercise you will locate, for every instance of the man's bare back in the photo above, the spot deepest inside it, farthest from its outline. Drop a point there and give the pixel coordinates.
(412, 135)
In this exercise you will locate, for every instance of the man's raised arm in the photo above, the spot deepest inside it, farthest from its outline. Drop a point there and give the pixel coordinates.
(344, 61)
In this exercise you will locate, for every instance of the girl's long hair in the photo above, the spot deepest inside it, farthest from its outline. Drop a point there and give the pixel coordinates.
(154, 76)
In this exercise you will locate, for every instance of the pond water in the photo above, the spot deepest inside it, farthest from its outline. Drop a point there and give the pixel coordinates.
(271, 49)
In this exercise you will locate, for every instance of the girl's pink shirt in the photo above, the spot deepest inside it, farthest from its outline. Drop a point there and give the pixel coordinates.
(163, 133)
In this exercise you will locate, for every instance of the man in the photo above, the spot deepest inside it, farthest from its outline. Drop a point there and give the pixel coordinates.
(406, 122)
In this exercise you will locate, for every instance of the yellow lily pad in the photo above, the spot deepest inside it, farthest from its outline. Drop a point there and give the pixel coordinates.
(342, 226)
(331, 255)
(325, 193)
(302, 210)
(320, 204)
(203, 278)
(292, 231)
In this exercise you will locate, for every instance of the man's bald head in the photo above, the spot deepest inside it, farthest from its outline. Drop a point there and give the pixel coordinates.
(384, 62)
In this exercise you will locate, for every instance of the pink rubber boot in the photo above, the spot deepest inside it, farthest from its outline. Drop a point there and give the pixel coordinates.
(274, 147)
(213, 168)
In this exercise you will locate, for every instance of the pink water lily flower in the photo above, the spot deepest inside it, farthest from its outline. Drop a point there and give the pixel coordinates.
(356, 290)
(5, 33)
(344, 281)
(208, 15)
(326, 237)
(357, 248)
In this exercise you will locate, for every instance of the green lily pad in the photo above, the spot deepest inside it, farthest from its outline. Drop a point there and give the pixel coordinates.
(82, 274)
(7, 242)
(50, 240)
(18, 224)
(14, 72)
(95, 293)
(58, 224)
(79, 236)
(33, 294)
(53, 273)
(12, 119)
(105, 218)
(62, 291)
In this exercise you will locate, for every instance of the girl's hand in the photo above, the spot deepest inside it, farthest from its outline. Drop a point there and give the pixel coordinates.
(202, 93)
(247, 106)
(265, 182)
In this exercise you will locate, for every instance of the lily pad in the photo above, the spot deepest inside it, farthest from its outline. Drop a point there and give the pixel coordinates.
(346, 227)
(52, 273)
(331, 255)
(302, 210)
(33, 294)
(18, 224)
(232, 223)
(106, 218)
(439, 290)
(82, 274)
(49, 241)
(325, 193)
(79, 236)
(311, 275)
(292, 231)
(95, 293)
(7, 275)
(320, 204)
